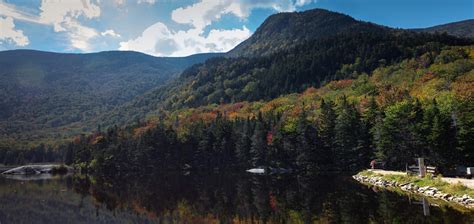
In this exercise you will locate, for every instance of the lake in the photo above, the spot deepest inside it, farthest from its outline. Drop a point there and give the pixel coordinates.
(213, 198)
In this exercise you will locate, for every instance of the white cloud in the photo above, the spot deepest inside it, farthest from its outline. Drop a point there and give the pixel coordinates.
(203, 13)
(159, 40)
(63, 16)
(111, 33)
(9, 10)
(148, 40)
(303, 2)
(9, 33)
(151, 2)
(119, 2)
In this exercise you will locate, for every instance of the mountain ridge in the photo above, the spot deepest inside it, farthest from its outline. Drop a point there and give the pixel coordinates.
(463, 28)
(47, 94)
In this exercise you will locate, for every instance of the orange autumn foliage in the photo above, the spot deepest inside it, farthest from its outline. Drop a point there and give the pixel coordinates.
(140, 130)
(340, 84)
(464, 87)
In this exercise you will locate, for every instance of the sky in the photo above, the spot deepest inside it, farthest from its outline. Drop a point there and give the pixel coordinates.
(185, 27)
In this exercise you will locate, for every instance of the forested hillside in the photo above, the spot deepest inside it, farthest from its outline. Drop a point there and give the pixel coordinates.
(461, 29)
(54, 96)
(422, 106)
(224, 80)
(324, 85)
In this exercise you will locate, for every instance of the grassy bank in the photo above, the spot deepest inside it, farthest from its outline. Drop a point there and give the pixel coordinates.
(429, 180)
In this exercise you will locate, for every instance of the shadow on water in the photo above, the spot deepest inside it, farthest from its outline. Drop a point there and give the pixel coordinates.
(212, 198)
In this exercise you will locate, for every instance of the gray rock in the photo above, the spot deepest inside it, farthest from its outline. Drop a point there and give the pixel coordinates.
(34, 169)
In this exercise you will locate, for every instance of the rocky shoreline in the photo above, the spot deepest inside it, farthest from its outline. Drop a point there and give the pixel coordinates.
(464, 200)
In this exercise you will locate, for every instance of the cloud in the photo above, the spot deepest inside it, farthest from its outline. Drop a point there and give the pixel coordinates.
(203, 13)
(119, 2)
(111, 33)
(303, 2)
(159, 40)
(151, 2)
(63, 16)
(12, 11)
(9, 33)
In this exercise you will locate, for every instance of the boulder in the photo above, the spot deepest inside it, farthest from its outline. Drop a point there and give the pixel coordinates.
(37, 169)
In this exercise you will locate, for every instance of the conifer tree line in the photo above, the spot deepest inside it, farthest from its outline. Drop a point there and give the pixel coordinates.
(344, 136)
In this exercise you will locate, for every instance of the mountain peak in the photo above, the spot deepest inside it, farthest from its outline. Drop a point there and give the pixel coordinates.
(284, 30)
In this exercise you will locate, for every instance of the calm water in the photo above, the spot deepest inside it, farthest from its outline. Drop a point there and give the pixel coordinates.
(212, 198)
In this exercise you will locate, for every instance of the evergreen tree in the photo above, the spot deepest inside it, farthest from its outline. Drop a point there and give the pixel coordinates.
(440, 136)
(307, 144)
(244, 144)
(370, 119)
(464, 125)
(258, 149)
(69, 156)
(327, 120)
(345, 139)
(398, 138)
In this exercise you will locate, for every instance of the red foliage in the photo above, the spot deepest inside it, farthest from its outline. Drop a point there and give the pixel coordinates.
(269, 137)
(235, 106)
(273, 202)
(77, 139)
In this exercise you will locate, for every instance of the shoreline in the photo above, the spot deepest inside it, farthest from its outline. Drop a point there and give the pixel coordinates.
(413, 186)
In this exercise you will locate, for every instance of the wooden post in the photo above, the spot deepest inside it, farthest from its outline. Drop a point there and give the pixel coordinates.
(426, 207)
(421, 167)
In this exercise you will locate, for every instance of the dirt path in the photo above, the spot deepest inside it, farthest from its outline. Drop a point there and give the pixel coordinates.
(466, 182)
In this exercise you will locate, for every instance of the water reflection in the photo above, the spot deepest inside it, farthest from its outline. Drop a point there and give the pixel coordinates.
(212, 198)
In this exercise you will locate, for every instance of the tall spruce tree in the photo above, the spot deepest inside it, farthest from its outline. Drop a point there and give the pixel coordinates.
(326, 127)
(345, 139)
(244, 144)
(258, 149)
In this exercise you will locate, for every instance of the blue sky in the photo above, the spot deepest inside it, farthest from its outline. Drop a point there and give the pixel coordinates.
(184, 27)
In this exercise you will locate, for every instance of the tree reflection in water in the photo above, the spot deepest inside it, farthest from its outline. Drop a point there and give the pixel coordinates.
(232, 198)
(211, 198)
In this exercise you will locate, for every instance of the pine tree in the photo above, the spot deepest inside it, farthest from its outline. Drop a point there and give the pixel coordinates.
(244, 143)
(259, 143)
(307, 144)
(69, 156)
(398, 135)
(440, 136)
(202, 158)
(370, 119)
(326, 131)
(346, 143)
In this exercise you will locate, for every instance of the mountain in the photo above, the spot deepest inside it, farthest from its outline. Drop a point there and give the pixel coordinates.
(55, 96)
(52, 95)
(347, 53)
(286, 30)
(463, 28)
(420, 106)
